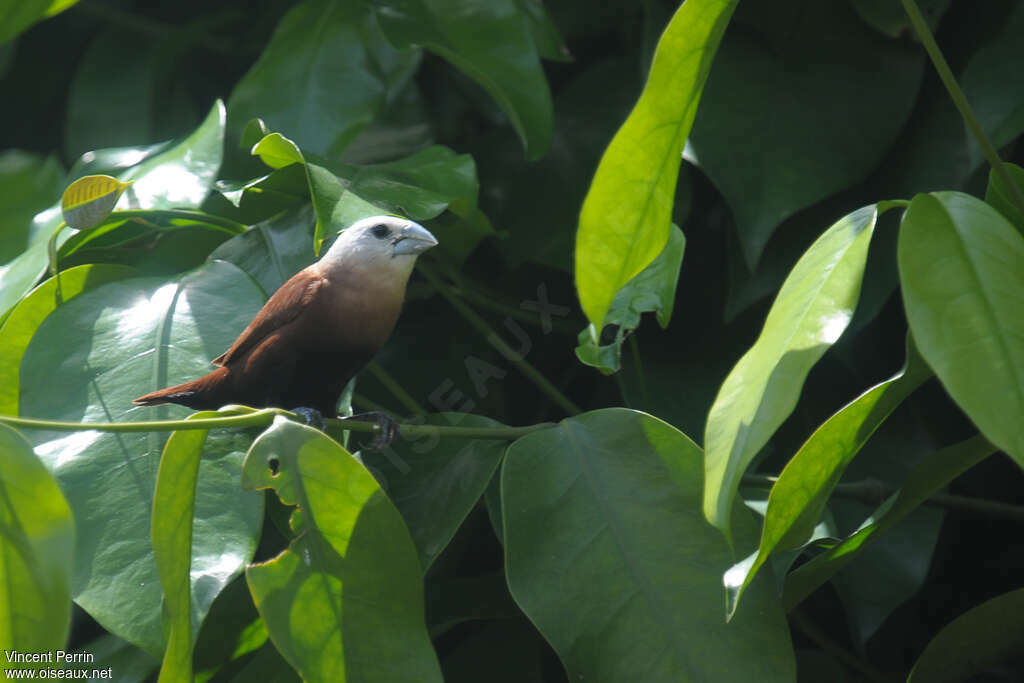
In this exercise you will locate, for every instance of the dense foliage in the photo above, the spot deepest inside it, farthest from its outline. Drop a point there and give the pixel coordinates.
(805, 465)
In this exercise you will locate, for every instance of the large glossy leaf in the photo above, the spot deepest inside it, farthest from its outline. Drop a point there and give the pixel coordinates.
(963, 287)
(85, 363)
(31, 183)
(178, 177)
(274, 250)
(29, 314)
(609, 555)
(323, 77)
(931, 475)
(37, 539)
(993, 82)
(344, 602)
(653, 289)
(491, 42)
(627, 214)
(174, 506)
(798, 498)
(420, 186)
(436, 482)
(974, 642)
(831, 97)
(18, 15)
(809, 314)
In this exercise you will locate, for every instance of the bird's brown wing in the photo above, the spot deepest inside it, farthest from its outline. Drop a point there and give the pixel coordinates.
(286, 304)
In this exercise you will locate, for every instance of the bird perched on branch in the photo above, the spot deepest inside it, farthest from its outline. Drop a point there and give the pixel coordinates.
(318, 330)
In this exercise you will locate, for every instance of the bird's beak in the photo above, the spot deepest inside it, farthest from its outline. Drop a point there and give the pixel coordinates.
(414, 239)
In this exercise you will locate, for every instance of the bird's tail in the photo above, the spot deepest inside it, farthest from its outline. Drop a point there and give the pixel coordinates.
(199, 394)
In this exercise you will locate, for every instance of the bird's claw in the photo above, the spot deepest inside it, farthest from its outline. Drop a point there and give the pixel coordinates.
(312, 417)
(387, 429)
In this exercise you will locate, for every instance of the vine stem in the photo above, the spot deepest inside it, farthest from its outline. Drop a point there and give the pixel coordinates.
(960, 100)
(478, 323)
(263, 418)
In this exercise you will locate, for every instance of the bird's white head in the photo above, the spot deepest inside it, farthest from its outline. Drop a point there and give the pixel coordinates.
(381, 245)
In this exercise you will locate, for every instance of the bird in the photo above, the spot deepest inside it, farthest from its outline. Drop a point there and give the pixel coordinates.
(317, 330)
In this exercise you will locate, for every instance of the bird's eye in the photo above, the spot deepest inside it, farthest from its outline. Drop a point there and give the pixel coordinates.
(380, 231)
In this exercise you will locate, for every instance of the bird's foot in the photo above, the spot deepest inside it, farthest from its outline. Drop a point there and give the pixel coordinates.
(312, 417)
(388, 428)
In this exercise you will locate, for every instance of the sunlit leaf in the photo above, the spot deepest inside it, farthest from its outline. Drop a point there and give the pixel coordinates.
(798, 497)
(90, 199)
(25, 318)
(963, 289)
(653, 289)
(351, 571)
(627, 214)
(37, 539)
(133, 336)
(177, 177)
(809, 314)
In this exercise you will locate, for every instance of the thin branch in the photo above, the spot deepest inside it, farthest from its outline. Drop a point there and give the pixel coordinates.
(960, 100)
(531, 373)
(263, 418)
(834, 649)
(396, 389)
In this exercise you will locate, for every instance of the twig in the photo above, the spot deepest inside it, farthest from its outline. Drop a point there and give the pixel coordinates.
(946, 74)
(531, 373)
(262, 418)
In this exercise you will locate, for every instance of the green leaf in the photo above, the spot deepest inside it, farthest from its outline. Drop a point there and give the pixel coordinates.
(18, 15)
(351, 571)
(491, 42)
(90, 199)
(993, 82)
(178, 177)
(998, 195)
(931, 475)
(323, 77)
(277, 151)
(274, 250)
(607, 552)
(809, 314)
(31, 311)
(435, 482)
(974, 643)
(626, 216)
(31, 183)
(831, 98)
(174, 504)
(653, 289)
(97, 352)
(336, 206)
(963, 289)
(37, 539)
(797, 500)
(420, 186)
